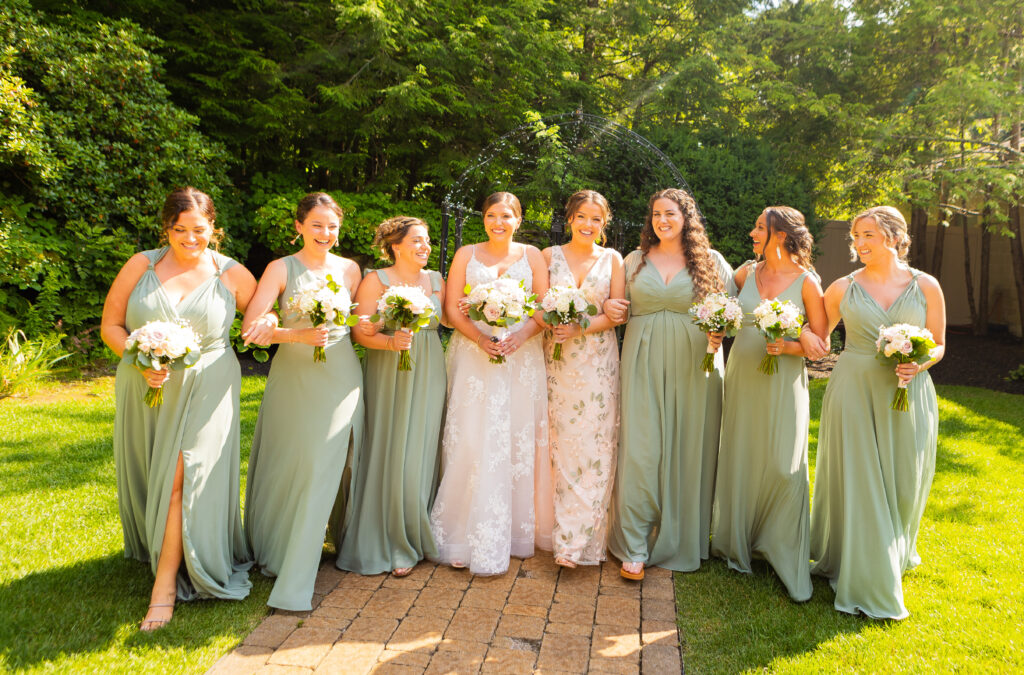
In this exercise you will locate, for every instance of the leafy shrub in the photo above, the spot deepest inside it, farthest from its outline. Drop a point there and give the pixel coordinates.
(1015, 375)
(25, 362)
(89, 145)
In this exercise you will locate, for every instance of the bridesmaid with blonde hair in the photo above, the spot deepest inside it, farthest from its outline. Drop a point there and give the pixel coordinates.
(583, 386)
(762, 488)
(397, 474)
(875, 464)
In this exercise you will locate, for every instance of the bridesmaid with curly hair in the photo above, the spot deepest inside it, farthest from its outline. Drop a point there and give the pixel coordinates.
(396, 479)
(671, 412)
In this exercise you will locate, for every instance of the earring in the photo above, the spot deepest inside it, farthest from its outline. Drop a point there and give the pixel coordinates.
(296, 238)
(778, 252)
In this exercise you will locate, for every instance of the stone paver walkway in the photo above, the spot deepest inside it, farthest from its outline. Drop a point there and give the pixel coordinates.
(537, 617)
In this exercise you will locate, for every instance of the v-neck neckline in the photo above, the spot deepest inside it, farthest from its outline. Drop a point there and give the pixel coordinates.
(757, 286)
(493, 268)
(187, 296)
(886, 310)
(579, 286)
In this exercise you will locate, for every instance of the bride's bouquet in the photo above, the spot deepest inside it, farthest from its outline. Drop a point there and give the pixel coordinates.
(904, 343)
(776, 320)
(498, 304)
(404, 308)
(323, 303)
(716, 313)
(563, 305)
(163, 344)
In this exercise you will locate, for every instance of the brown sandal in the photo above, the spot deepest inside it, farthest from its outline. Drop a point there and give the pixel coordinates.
(156, 624)
(632, 573)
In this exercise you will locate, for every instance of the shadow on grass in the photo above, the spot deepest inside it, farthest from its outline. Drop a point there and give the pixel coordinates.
(998, 418)
(52, 464)
(94, 606)
(731, 622)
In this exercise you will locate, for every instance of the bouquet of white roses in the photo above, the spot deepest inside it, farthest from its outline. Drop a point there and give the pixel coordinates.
(776, 320)
(404, 308)
(323, 303)
(904, 343)
(716, 313)
(498, 304)
(563, 305)
(163, 344)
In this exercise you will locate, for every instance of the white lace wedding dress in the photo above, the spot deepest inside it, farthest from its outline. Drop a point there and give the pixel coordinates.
(495, 432)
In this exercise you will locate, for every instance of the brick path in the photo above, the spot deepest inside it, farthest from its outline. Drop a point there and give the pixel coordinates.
(535, 618)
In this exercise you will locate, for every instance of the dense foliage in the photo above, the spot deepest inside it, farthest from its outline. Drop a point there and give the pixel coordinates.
(828, 106)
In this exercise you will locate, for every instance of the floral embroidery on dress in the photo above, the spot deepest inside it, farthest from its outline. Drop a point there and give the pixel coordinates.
(583, 405)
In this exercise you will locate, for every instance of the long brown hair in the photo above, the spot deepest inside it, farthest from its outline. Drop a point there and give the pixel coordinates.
(699, 262)
(893, 226)
(798, 241)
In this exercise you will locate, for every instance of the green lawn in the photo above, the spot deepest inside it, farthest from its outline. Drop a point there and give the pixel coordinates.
(966, 600)
(69, 600)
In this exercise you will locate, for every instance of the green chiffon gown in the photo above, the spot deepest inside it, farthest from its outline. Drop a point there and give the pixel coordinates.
(398, 469)
(199, 418)
(762, 490)
(671, 414)
(875, 465)
(310, 423)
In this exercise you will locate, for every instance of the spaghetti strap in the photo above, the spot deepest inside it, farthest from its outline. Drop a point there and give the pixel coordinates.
(435, 281)
(382, 275)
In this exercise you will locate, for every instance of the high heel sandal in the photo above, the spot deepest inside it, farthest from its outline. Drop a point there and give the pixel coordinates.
(156, 624)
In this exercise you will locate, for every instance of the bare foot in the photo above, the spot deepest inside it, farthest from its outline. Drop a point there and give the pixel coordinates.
(565, 562)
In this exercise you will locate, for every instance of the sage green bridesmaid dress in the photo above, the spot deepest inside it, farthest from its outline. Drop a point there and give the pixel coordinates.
(875, 465)
(762, 490)
(397, 477)
(310, 423)
(671, 414)
(199, 419)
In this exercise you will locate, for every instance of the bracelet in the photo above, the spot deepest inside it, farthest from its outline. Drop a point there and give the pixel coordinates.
(478, 340)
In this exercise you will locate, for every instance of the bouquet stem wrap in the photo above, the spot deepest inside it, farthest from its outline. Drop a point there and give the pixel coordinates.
(497, 335)
(707, 364)
(716, 313)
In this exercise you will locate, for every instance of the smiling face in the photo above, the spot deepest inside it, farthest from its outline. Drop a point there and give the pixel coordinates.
(415, 246)
(760, 235)
(870, 242)
(500, 222)
(587, 223)
(320, 229)
(667, 219)
(190, 234)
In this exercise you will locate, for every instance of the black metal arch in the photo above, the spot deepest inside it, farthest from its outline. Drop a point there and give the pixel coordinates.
(601, 126)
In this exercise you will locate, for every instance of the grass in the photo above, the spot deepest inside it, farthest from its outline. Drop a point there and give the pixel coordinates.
(966, 600)
(69, 600)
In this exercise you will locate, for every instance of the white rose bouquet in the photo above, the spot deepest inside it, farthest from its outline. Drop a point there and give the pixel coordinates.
(323, 303)
(904, 343)
(716, 313)
(498, 304)
(404, 308)
(564, 305)
(163, 344)
(776, 320)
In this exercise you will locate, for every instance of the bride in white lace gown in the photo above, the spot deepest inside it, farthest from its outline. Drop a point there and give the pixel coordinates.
(495, 429)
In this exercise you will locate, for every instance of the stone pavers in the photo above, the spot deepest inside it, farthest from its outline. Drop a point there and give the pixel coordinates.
(536, 618)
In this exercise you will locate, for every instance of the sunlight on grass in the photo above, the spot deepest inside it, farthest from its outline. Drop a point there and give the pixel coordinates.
(69, 600)
(965, 599)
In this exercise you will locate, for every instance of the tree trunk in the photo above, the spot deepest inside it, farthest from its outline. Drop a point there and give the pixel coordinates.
(968, 277)
(919, 237)
(940, 237)
(983, 268)
(1016, 248)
